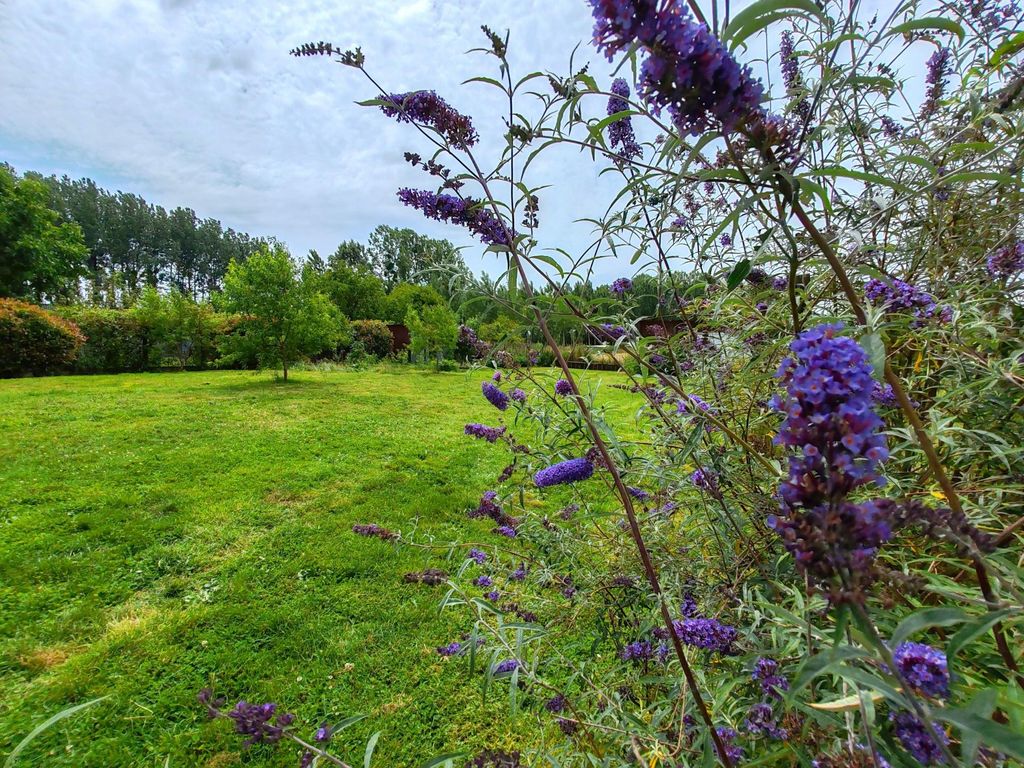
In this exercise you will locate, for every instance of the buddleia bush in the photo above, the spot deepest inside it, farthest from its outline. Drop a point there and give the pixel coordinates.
(804, 549)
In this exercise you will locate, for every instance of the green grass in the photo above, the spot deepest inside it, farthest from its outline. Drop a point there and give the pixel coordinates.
(165, 532)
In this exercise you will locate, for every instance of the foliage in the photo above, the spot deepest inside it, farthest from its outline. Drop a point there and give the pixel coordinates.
(132, 243)
(356, 291)
(115, 340)
(742, 578)
(433, 331)
(406, 296)
(40, 255)
(404, 256)
(283, 318)
(374, 337)
(35, 341)
(179, 327)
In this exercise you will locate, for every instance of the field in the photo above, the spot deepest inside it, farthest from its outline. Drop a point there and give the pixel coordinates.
(166, 532)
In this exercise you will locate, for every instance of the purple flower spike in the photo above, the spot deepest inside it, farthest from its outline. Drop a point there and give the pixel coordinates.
(563, 388)
(571, 471)
(428, 108)
(467, 212)
(687, 71)
(923, 668)
(620, 133)
(494, 396)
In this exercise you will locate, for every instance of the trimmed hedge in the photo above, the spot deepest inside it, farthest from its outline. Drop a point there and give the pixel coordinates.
(34, 341)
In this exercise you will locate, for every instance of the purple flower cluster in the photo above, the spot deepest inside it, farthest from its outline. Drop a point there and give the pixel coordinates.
(571, 471)
(450, 650)
(705, 479)
(728, 737)
(254, 721)
(622, 286)
(490, 434)
(563, 388)
(489, 507)
(925, 747)
(428, 108)
(687, 70)
(483, 581)
(708, 634)
(938, 70)
(882, 394)
(766, 672)
(897, 295)
(519, 573)
(555, 704)
(494, 595)
(506, 530)
(678, 222)
(761, 720)
(780, 283)
(518, 395)
(725, 240)
(923, 668)
(620, 133)
(372, 529)
(506, 666)
(837, 445)
(791, 74)
(469, 345)
(476, 555)
(494, 396)
(466, 212)
(644, 650)
(1006, 261)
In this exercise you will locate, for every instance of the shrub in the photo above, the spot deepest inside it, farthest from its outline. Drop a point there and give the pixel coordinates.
(116, 340)
(374, 336)
(35, 341)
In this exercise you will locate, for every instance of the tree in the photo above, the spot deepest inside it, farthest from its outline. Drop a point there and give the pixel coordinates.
(283, 319)
(356, 291)
(406, 296)
(350, 253)
(40, 256)
(434, 331)
(403, 256)
(179, 326)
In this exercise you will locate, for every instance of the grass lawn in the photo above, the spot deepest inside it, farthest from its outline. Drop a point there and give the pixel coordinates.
(164, 532)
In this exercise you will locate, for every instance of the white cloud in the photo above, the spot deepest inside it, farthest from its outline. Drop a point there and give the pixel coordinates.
(199, 104)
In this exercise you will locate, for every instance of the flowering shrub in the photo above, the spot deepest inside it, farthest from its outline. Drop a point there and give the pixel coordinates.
(374, 336)
(802, 551)
(35, 341)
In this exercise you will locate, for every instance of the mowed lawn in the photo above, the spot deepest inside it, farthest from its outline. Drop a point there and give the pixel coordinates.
(165, 532)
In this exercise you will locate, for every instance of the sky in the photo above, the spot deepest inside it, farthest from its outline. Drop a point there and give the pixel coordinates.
(197, 103)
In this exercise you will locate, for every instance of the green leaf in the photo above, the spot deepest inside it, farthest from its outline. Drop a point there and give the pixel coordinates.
(370, 746)
(930, 617)
(598, 127)
(1007, 49)
(823, 662)
(740, 271)
(991, 734)
(64, 713)
(981, 705)
(875, 347)
(751, 19)
(932, 22)
(848, 173)
(973, 630)
(341, 726)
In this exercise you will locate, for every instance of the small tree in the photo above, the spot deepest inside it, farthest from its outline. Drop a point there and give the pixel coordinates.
(283, 318)
(433, 332)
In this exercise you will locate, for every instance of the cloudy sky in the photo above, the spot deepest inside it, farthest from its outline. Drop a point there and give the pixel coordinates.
(197, 103)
